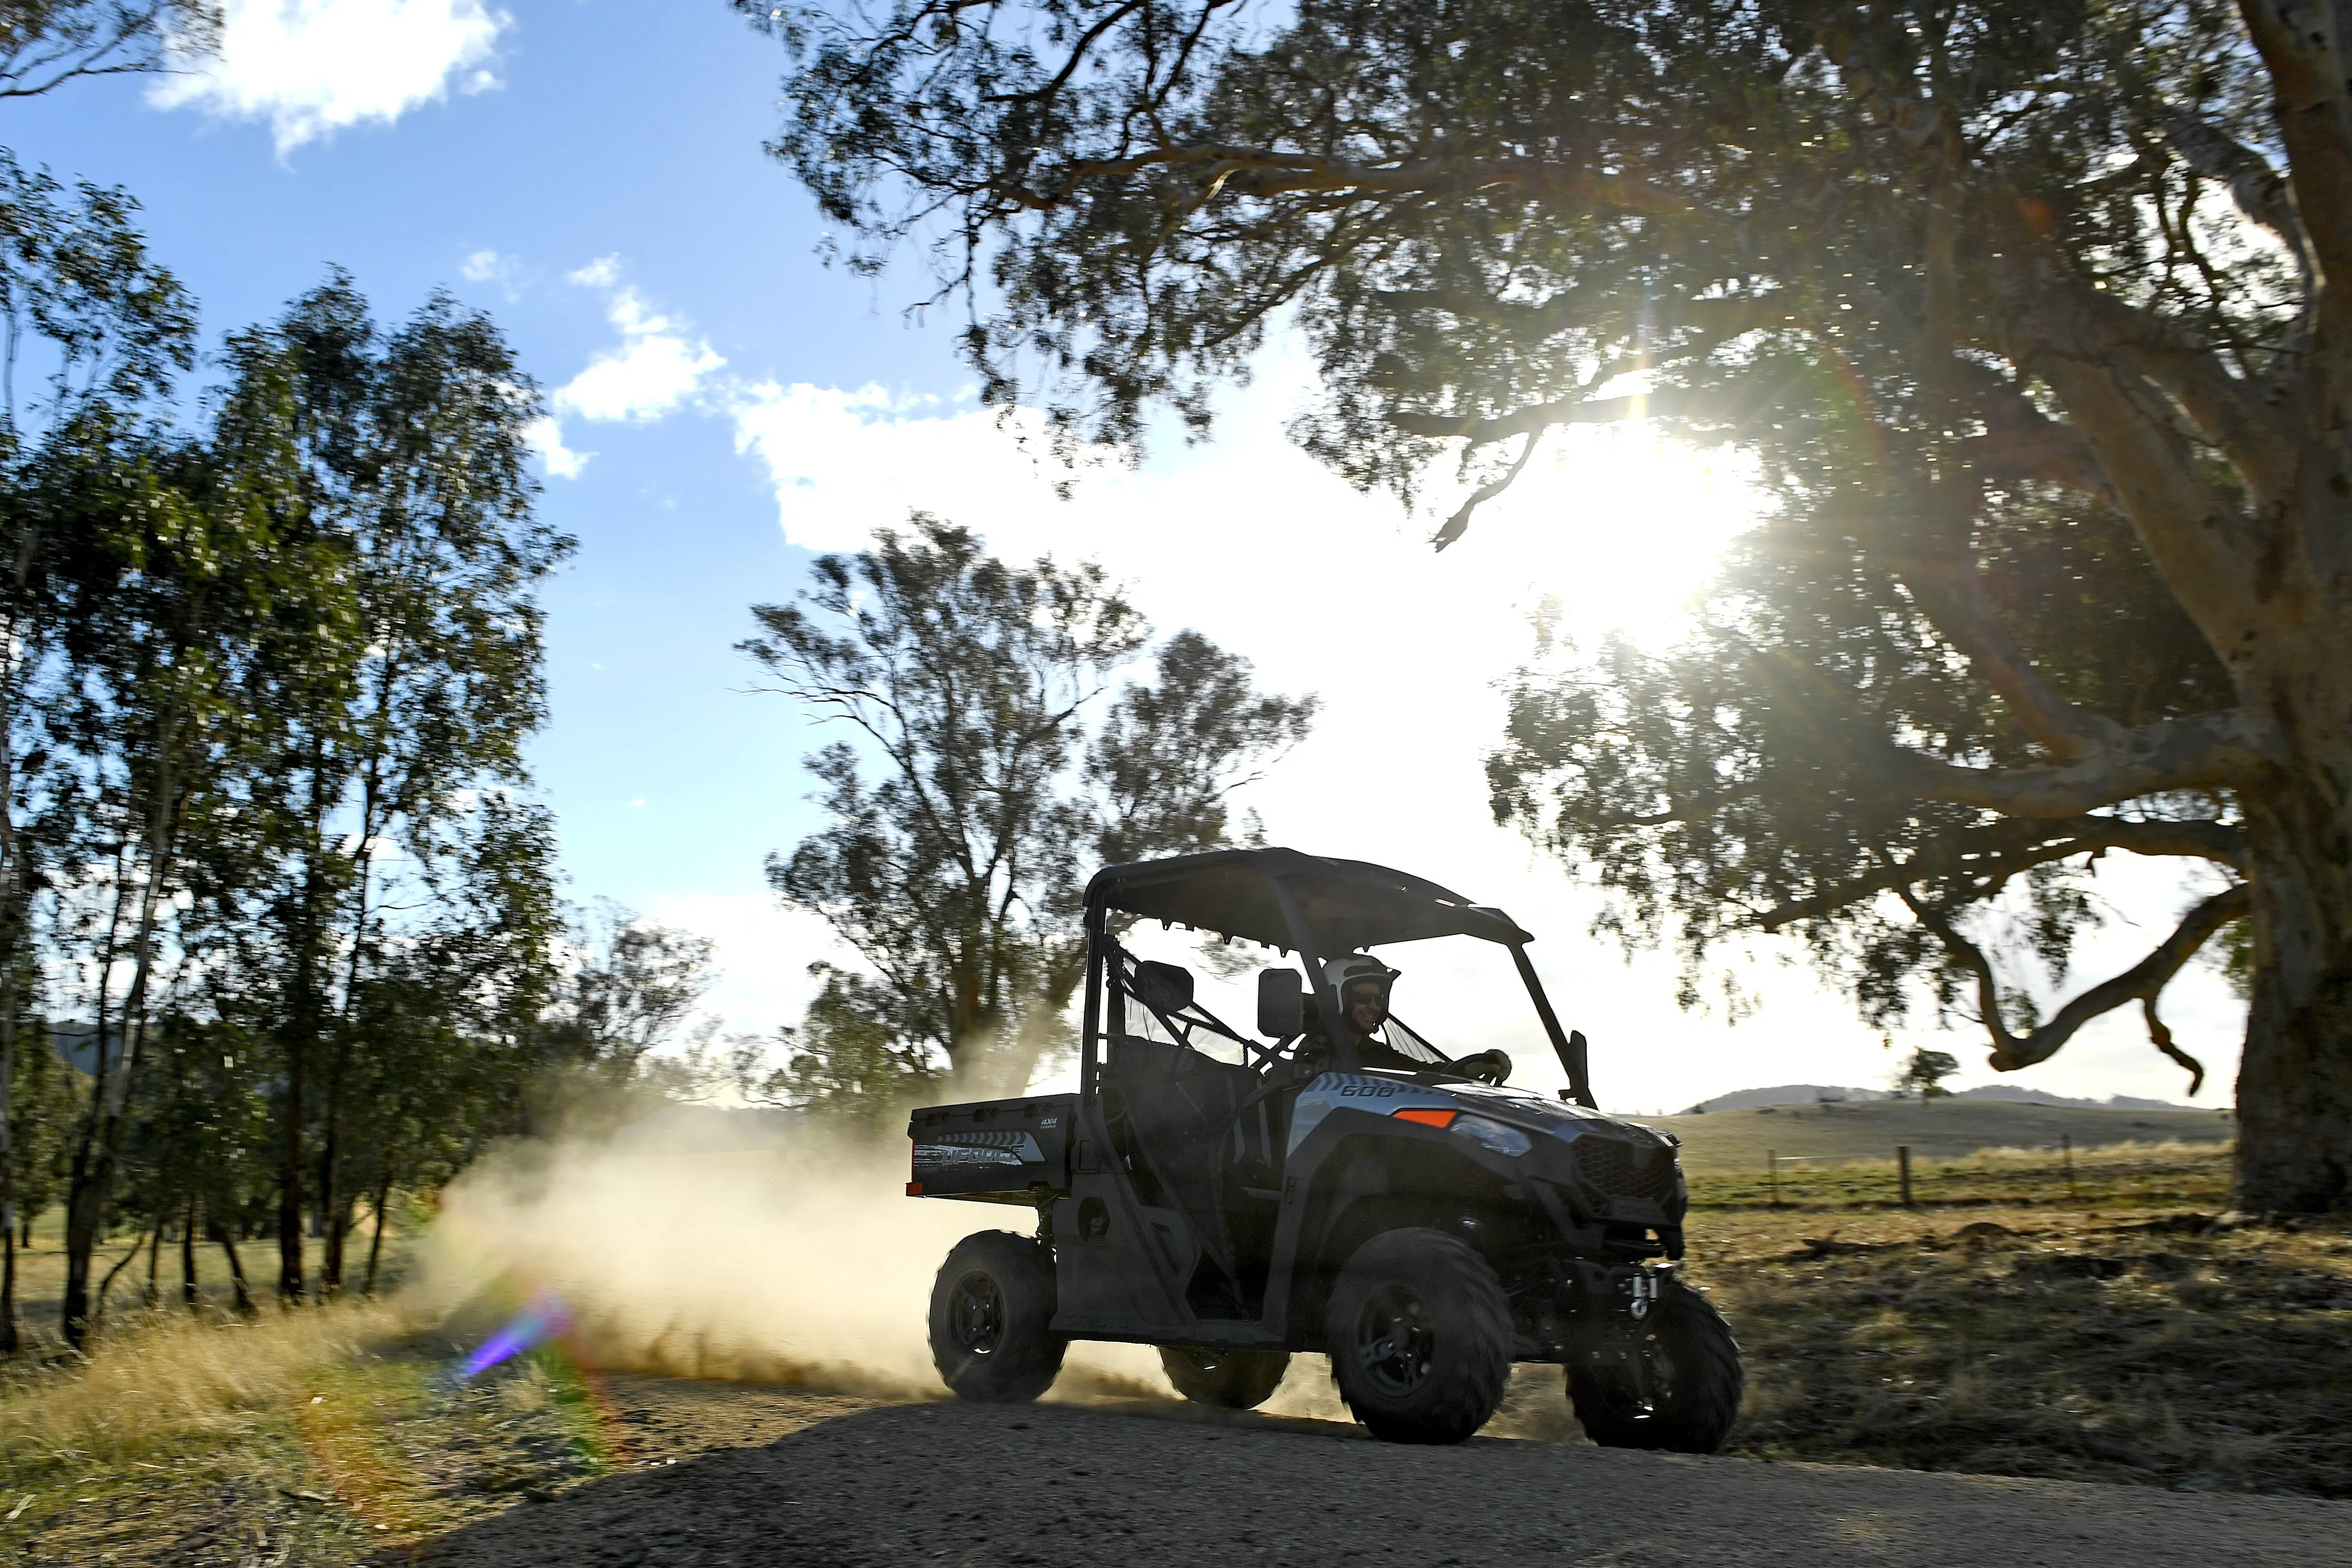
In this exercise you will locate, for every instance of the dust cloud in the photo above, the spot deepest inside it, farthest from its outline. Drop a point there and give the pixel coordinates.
(727, 1247)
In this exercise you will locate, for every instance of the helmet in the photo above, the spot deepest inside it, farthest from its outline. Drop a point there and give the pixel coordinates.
(1340, 973)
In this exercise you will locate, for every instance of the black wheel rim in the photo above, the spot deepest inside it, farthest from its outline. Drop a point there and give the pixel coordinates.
(1395, 1340)
(1641, 1381)
(976, 1314)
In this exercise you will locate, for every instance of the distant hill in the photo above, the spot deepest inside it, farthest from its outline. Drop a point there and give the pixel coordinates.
(1947, 1127)
(1815, 1094)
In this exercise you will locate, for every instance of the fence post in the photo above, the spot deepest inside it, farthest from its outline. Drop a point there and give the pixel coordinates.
(2066, 1152)
(1772, 1170)
(1903, 1163)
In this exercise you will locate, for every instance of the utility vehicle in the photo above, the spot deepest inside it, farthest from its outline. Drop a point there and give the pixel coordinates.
(1233, 1200)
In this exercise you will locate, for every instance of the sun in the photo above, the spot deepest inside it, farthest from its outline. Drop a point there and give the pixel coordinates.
(1623, 527)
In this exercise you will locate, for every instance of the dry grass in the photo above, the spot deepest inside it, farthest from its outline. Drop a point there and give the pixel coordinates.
(2122, 1345)
(164, 1379)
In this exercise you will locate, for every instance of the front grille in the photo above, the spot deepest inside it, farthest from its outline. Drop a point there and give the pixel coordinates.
(1614, 1169)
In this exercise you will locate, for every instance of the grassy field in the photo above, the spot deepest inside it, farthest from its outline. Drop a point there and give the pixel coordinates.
(2112, 1328)
(1728, 1143)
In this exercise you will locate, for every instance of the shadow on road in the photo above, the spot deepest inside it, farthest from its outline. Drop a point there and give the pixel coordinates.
(1049, 1484)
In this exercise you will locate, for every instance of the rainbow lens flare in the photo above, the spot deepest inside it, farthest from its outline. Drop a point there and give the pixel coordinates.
(543, 1320)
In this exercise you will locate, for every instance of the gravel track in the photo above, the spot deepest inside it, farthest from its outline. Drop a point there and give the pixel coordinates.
(843, 1482)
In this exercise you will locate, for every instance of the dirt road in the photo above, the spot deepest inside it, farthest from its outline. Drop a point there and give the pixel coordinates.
(840, 1481)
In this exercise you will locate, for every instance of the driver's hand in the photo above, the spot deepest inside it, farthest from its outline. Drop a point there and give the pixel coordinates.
(1487, 1066)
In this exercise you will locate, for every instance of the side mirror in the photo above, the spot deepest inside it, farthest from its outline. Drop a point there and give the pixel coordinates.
(1281, 1004)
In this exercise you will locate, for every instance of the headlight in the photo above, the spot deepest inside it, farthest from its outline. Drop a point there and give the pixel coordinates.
(1508, 1142)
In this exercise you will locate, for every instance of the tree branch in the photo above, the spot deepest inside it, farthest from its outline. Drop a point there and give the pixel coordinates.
(2260, 191)
(1945, 579)
(1999, 851)
(1460, 520)
(2143, 982)
(1261, 171)
(2162, 1038)
(2208, 751)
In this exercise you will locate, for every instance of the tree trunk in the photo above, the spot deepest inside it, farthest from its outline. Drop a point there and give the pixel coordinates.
(227, 1235)
(98, 1312)
(375, 1244)
(85, 1203)
(190, 1297)
(10, 1342)
(154, 1262)
(300, 1033)
(330, 1260)
(2295, 1082)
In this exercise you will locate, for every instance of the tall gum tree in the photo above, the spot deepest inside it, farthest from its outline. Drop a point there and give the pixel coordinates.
(999, 760)
(2034, 316)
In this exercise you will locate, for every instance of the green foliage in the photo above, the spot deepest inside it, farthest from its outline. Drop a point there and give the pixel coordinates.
(2020, 310)
(844, 1063)
(958, 874)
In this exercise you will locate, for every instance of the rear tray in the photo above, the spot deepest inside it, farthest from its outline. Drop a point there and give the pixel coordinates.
(996, 1151)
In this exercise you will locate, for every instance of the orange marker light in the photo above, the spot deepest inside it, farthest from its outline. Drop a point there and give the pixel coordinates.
(1427, 1118)
(914, 1189)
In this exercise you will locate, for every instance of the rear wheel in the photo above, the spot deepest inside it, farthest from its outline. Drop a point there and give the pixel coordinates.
(1233, 1379)
(1673, 1384)
(991, 1310)
(1420, 1337)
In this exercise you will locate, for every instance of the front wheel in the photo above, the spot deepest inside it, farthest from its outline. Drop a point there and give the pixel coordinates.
(991, 1307)
(1232, 1379)
(1420, 1336)
(1673, 1384)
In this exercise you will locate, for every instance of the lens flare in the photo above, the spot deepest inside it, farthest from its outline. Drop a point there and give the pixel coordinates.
(543, 1320)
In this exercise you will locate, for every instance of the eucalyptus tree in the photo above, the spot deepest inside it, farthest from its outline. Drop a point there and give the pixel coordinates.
(972, 689)
(126, 562)
(401, 691)
(176, 566)
(451, 1015)
(2033, 316)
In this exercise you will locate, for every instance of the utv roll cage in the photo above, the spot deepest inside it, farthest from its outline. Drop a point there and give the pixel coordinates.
(1312, 905)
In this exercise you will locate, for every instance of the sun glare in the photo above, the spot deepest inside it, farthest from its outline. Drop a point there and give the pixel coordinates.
(1622, 526)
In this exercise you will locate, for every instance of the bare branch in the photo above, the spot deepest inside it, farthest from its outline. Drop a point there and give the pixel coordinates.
(2162, 1038)
(2260, 191)
(2142, 982)
(1460, 520)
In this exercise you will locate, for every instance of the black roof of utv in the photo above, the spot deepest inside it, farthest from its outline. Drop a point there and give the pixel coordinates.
(1346, 905)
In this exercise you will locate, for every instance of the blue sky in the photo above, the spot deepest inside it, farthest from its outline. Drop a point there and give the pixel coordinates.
(589, 172)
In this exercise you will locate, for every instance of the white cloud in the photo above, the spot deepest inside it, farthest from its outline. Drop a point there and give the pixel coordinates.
(546, 438)
(1332, 591)
(312, 68)
(657, 367)
(487, 266)
(601, 273)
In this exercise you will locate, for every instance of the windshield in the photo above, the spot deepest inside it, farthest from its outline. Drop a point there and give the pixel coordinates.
(1453, 996)
(1457, 996)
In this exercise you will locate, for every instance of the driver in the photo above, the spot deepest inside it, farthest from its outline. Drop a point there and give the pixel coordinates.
(1362, 985)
